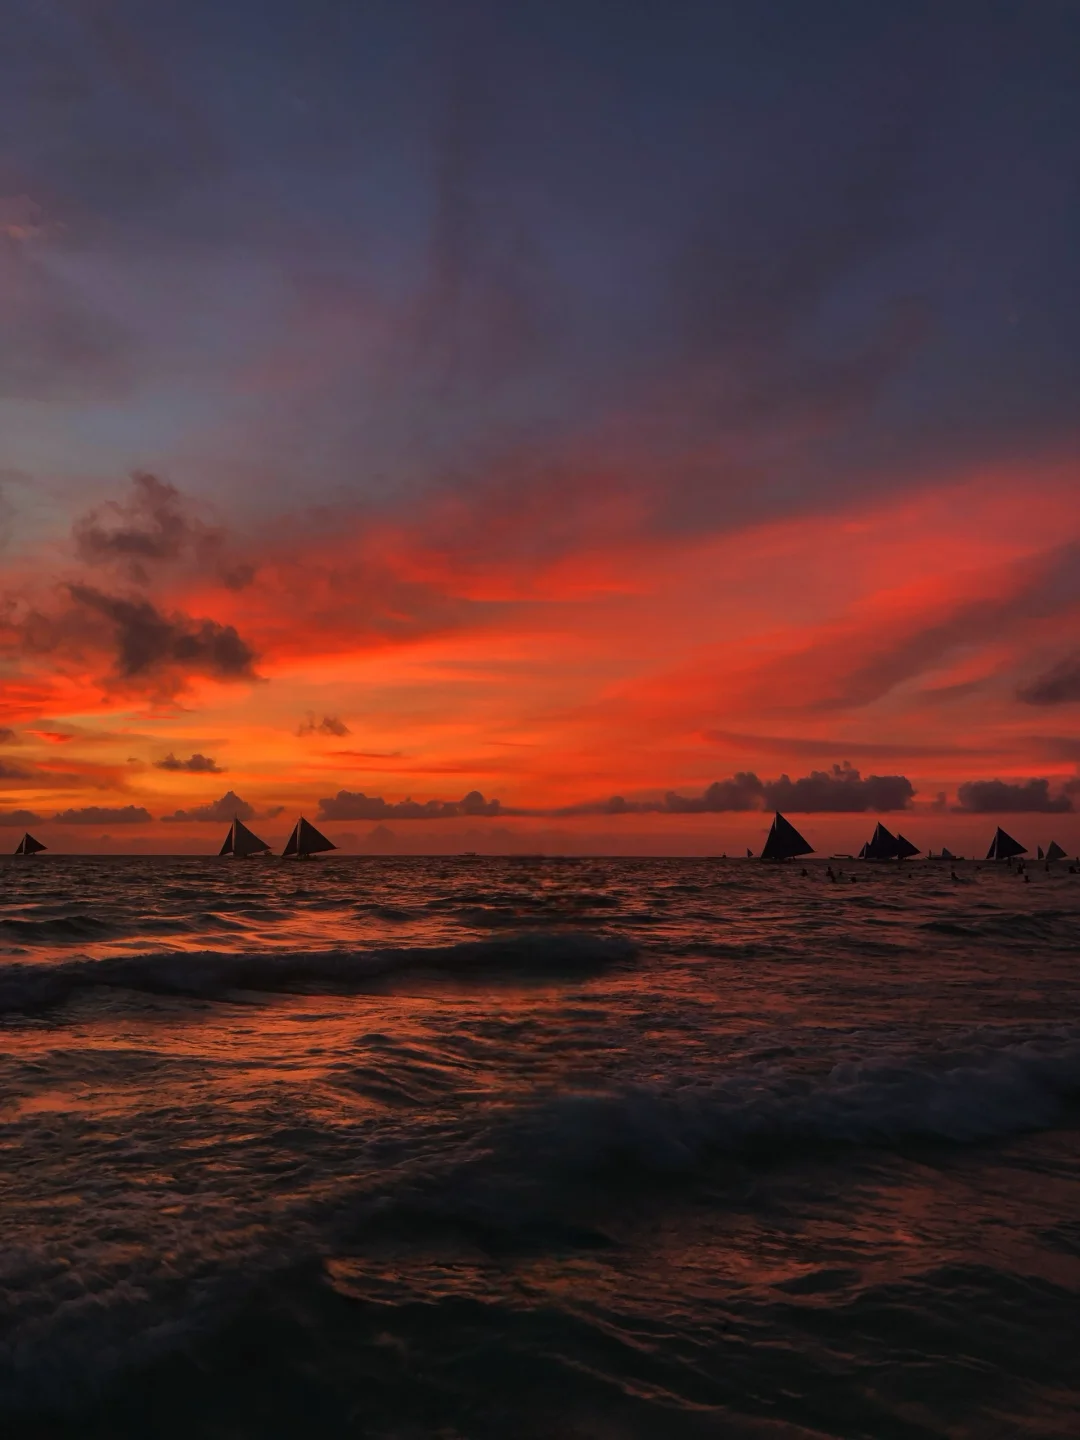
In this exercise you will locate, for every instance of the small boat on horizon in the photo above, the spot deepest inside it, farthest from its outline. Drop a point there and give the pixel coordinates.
(29, 846)
(884, 845)
(1004, 847)
(242, 842)
(784, 842)
(305, 841)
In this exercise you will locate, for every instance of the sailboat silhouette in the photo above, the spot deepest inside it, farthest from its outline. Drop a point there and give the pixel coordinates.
(242, 842)
(1004, 847)
(784, 842)
(306, 841)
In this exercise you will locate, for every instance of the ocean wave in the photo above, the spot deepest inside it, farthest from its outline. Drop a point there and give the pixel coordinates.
(990, 1091)
(58, 928)
(1054, 928)
(527, 955)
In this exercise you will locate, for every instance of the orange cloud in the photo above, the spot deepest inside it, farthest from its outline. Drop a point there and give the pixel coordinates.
(604, 660)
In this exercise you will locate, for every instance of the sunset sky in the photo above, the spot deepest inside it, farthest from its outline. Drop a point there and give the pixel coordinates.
(609, 422)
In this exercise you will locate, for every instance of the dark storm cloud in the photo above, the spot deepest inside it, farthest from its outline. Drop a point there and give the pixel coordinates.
(743, 791)
(1001, 797)
(149, 643)
(349, 805)
(328, 725)
(1060, 685)
(195, 765)
(21, 818)
(224, 811)
(155, 524)
(103, 815)
(840, 790)
(12, 772)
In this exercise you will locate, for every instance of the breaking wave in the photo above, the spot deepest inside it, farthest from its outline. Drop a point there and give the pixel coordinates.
(989, 1090)
(534, 956)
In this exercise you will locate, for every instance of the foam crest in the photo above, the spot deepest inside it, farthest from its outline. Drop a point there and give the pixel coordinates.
(988, 1092)
(211, 975)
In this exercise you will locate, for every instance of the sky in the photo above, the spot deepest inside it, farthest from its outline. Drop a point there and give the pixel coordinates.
(566, 427)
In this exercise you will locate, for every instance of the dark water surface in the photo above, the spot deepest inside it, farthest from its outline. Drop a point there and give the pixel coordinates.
(497, 1148)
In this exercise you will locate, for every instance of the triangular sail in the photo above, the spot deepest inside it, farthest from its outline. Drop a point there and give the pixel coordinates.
(1004, 847)
(883, 845)
(864, 850)
(947, 854)
(1054, 851)
(784, 842)
(227, 844)
(310, 841)
(306, 840)
(245, 841)
(905, 849)
(1039, 852)
(28, 845)
(749, 853)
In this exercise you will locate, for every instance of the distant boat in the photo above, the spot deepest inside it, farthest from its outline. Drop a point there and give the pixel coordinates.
(1055, 852)
(241, 841)
(884, 845)
(1004, 847)
(749, 853)
(784, 842)
(1039, 853)
(29, 846)
(305, 840)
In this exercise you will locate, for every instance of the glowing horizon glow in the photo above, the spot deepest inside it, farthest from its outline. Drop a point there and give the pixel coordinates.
(578, 682)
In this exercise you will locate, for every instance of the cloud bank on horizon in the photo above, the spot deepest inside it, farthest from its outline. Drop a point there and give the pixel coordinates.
(717, 420)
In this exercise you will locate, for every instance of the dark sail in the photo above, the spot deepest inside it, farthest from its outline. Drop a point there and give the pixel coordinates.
(905, 849)
(306, 840)
(784, 841)
(28, 845)
(1004, 847)
(242, 841)
(883, 845)
(245, 841)
(749, 853)
(1054, 851)
(864, 850)
(947, 854)
(1039, 852)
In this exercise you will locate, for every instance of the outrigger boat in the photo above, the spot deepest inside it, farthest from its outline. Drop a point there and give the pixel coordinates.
(305, 841)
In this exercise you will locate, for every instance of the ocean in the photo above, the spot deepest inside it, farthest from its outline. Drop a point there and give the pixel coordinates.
(533, 1147)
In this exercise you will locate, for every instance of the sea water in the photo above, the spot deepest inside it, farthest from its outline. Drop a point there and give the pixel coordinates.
(538, 1148)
